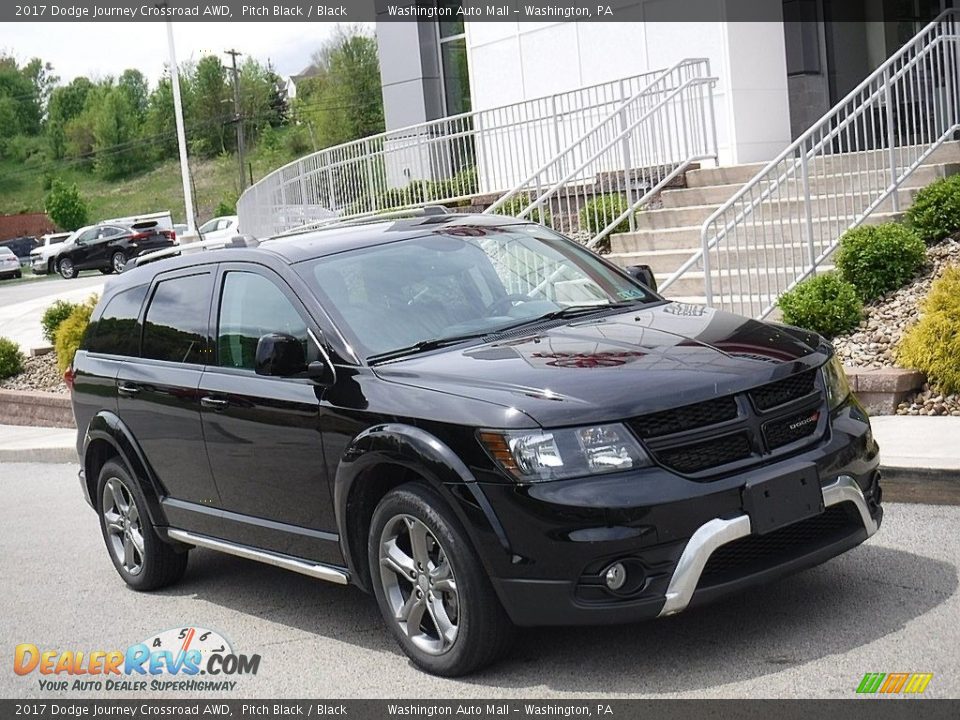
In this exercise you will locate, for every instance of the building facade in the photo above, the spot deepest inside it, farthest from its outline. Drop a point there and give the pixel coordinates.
(775, 78)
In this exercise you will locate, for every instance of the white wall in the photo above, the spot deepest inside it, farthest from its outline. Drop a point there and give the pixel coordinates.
(510, 62)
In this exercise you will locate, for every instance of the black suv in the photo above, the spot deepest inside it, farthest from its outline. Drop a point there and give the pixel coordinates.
(108, 248)
(473, 418)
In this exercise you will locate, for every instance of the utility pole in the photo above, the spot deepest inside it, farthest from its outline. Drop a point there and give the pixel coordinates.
(237, 117)
(181, 136)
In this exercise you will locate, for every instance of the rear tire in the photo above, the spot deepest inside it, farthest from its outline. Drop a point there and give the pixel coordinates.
(17, 275)
(118, 262)
(140, 557)
(67, 269)
(433, 592)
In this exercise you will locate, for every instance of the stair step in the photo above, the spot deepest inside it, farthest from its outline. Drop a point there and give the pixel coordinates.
(669, 261)
(787, 209)
(689, 236)
(821, 185)
(841, 162)
(739, 281)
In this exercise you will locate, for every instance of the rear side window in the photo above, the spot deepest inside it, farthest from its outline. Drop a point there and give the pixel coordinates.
(117, 332)
(175, 327)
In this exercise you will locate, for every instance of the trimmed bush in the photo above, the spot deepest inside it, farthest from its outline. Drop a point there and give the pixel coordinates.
(932, 346)
(935, 212)
(53, 316)
(11, 359)
(599, 212)
(826, 304)
(879, 258)
(69, 335)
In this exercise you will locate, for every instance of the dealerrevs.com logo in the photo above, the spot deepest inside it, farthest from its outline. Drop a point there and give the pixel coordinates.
(171, 661)
(894, 683)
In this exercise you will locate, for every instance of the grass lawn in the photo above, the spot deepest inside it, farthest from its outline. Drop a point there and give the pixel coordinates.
(21, 186)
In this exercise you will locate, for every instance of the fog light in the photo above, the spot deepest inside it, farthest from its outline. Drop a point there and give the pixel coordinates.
(615, 576)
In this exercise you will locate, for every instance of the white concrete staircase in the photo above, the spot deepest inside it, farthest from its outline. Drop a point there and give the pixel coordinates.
(667, 237)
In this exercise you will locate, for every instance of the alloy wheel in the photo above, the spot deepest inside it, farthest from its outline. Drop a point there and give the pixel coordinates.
(124, 530)
(119, 262)
(419, 584)
(66, 269)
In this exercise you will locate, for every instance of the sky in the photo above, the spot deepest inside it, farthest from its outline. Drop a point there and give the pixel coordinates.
(101, 49)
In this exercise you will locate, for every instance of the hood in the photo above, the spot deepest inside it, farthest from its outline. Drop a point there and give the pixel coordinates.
(616, 367)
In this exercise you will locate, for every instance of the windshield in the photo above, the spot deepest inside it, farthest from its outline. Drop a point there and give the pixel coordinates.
(460, 281)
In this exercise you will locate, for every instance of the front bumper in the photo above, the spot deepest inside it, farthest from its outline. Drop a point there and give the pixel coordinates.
(561, 536)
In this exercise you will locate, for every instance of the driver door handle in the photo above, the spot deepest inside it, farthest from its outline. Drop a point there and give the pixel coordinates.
(127, 389)
(213, 403)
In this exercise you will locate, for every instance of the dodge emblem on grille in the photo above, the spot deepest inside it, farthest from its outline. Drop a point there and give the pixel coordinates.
(806, 421)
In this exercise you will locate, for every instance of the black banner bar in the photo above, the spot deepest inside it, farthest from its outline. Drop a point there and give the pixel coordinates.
(599, 709)
(424, 11)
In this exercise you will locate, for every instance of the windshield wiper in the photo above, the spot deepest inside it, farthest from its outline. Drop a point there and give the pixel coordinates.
(424, 346)
(568, 312)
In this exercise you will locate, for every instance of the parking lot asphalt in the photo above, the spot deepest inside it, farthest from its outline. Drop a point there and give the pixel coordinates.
(890, 605)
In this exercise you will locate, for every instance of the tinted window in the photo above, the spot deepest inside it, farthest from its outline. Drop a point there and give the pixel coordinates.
(117, 332)
(252, 306)
(175, 327)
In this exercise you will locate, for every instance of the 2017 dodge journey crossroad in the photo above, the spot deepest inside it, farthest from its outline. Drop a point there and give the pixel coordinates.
(476, 420)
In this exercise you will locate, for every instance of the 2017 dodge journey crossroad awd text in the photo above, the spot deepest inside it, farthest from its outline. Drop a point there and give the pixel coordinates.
(476, 420)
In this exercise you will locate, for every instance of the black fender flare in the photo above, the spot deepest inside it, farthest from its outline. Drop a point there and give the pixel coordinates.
(419, 451)
(108, 427)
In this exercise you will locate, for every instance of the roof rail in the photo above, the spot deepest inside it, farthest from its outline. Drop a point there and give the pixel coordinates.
(366, 219)
(237, 241)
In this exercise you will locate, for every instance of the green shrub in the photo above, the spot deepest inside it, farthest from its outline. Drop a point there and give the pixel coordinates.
(226, 206)
(879, 258)
(11, 359)
(932, 346)
(599, 212)
(518, 203)
(69, 335)
(53, 316)
(65, 206)
(296, 141)
(935, 212)
(413, 194)
(826, 304)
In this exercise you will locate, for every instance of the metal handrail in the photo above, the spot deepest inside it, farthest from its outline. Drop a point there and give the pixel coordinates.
(913, 96)
(447, 161)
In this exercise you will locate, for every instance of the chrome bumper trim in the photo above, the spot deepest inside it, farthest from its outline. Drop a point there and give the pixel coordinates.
(304, 567)
(711, 535)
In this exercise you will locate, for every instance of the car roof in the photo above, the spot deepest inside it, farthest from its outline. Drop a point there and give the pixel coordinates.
(320, 242)
(311, 244)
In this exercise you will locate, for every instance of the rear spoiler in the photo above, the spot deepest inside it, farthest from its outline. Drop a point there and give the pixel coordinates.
(237, 241)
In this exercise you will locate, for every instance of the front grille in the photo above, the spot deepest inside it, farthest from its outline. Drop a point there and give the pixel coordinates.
(687, 417)
(697, 457)
(756, 553)
(783, 391)
(791, 429)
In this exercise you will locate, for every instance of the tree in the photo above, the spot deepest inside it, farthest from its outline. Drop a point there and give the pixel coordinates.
(342, 100)
(66, 103)
(134, 85)
(21, 98)
(212, 107)
(65, 206)
(116, 132)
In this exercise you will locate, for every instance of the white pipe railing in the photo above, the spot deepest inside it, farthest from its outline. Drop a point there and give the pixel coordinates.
(599, 181)
(786, 222)
(445, 161)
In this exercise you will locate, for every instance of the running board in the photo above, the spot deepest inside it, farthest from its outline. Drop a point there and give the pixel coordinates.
(304, 567)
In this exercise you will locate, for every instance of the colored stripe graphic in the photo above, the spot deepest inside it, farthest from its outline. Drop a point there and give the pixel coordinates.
(893, 683)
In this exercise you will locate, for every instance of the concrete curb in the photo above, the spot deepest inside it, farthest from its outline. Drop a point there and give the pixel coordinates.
(36, 409)
(52, 455)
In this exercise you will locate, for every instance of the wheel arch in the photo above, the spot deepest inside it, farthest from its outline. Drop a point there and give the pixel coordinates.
(106, 438)
(389, 455)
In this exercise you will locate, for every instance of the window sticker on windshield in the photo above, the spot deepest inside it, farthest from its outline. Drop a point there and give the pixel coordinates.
(631, 294)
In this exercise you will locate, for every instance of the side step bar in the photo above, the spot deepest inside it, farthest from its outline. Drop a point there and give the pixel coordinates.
(304, 567)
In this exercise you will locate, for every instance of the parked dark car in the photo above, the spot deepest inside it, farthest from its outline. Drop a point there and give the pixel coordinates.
(473, 418)
(108, 248)
(21, 247)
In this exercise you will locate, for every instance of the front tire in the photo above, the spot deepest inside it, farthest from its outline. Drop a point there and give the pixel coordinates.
(140, 557)
(67, 269)
(432, 590)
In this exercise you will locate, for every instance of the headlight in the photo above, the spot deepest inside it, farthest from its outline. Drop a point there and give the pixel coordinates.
(835, 381)
(539, 455)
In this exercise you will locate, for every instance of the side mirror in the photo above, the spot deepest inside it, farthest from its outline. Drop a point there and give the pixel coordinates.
(643, 274)
(280, 355)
